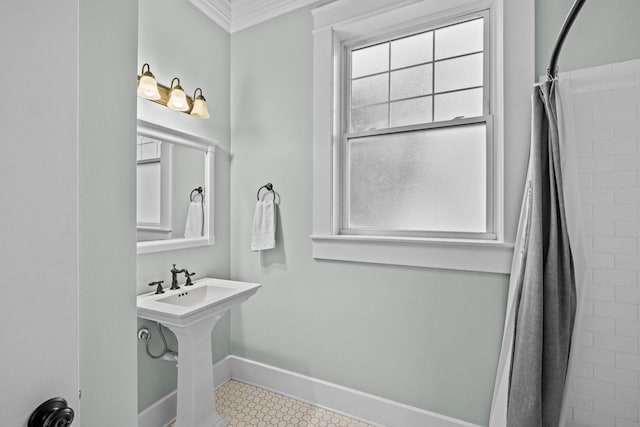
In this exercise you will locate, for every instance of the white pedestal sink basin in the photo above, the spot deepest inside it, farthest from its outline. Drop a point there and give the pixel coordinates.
(190, 313)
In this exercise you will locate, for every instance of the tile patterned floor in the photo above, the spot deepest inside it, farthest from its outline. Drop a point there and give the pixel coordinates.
(245, 405)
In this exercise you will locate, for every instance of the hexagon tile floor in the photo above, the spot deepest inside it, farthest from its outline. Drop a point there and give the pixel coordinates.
(244, 405)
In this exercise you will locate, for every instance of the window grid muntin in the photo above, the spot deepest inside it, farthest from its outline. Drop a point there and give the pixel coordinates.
(433, 78)
(349, 49)
(389, 85)
(433, 94)
(417, 64)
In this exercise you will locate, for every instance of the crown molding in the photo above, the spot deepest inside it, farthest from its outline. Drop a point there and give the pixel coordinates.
(246, 13)
(236, 15)
(219, 11)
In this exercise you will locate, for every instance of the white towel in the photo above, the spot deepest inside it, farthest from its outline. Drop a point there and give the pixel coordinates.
(263, 234)
(193, 227)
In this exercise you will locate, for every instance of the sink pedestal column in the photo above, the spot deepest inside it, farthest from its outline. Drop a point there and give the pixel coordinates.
(196, 399)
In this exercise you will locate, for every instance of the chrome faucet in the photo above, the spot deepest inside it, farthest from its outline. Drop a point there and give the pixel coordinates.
(174, 277)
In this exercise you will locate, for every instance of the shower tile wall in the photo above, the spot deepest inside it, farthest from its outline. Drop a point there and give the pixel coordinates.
(605, 382)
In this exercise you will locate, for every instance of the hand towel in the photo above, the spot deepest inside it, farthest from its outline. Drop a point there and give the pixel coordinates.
(263, 234)
(193, 227)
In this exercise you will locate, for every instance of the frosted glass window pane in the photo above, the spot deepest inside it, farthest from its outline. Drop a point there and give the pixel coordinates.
(410, 82)
(466, 103)
(370, 60)
(460, 39)
(412, 50)
(411, 111)
(459, 73)
(370, 90)
(367, 118)
(430, 180)
(148, 203)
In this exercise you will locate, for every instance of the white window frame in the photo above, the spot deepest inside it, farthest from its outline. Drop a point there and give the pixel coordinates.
(339, 23)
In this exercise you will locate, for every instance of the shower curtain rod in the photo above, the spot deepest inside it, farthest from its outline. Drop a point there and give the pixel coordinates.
(568, 22)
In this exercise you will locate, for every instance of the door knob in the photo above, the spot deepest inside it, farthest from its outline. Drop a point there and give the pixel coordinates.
(52, 413)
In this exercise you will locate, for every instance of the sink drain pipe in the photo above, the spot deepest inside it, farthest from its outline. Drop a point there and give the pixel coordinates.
(145, 334)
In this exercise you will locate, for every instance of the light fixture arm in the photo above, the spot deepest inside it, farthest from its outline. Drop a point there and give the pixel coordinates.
(142, 73)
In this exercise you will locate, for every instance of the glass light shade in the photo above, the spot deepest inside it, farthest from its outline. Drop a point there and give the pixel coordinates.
(177, 99)
(148, 88)
(200, 108)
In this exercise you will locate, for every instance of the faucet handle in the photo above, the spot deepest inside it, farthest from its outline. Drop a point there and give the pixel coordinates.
(159, 289)
(188, 276)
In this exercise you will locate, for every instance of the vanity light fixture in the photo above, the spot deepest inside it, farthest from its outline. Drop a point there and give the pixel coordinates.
(172, 97)
(199, 108)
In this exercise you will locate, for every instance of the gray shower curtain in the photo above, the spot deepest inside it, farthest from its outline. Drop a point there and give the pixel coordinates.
(545, 299)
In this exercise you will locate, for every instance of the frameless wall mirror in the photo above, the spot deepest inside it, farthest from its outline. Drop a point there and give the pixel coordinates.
(174, 189)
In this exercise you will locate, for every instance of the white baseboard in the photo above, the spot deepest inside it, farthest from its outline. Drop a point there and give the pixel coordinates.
(336, 398)
(163, 412)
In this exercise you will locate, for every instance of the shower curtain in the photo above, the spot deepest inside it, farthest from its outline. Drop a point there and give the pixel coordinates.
(548, 269)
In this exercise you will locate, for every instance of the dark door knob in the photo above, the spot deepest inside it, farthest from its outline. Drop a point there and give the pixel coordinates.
(52, 413)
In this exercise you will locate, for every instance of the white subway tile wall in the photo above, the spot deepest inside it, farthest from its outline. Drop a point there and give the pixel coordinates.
(605, 383)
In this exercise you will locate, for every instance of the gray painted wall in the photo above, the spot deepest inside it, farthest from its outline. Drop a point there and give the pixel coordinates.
(106, 212)
(39, 211)
(606, 31)
(176, 39)
(424, 337)
(106, 203)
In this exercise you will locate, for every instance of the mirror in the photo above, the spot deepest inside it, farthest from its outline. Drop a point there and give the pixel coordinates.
(174, 189)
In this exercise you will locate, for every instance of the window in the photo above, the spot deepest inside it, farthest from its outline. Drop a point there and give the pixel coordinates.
(153, 189)
(149, 179)
(420, 110)
(417, 134)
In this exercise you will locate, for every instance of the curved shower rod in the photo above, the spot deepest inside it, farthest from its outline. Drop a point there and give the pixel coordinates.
(568, 22)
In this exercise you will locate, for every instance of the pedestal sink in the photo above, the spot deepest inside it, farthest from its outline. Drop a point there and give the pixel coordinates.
(190, 313)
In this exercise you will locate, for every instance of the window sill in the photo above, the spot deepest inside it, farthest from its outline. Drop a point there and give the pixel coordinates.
(451, 254)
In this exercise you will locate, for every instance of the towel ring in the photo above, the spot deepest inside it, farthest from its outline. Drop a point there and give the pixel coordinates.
(199, 191)
(269, 187)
